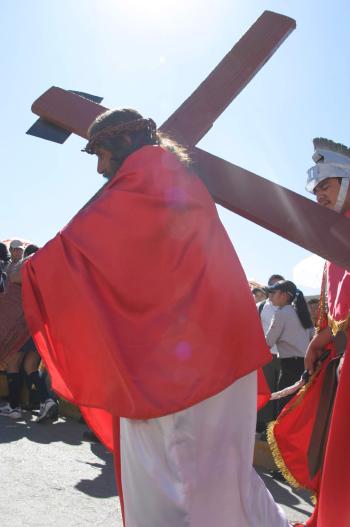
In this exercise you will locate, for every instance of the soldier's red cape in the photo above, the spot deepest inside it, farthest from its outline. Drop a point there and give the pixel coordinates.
(293, 428)
(139, 306)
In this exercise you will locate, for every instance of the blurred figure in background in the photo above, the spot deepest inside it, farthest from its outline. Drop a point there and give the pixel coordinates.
(259, 294)
(4, 254)
(291, 330)
(28, 359)
(30, 249)
(16, 255)
(4, 258)
(272, 370)
(313, 308)
(17, 347)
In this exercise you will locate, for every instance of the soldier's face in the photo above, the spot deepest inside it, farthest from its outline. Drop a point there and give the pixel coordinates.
(104, 163)
(327, 191)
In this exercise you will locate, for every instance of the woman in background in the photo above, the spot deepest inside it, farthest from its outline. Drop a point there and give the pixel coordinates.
(291, 330)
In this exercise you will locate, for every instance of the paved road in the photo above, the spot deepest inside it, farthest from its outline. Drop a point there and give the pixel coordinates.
(51, 478)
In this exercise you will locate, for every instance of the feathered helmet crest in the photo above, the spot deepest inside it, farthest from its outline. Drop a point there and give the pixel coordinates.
(327, 145)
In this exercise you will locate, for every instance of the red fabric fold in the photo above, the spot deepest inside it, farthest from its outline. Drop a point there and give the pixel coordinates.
(139, 306)
(334, 497)
(264, 392)
(293, 430)
(294, 425)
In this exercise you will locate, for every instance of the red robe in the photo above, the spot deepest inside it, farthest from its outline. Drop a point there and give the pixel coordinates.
(334, 495)
(139, 306)
(292, 430)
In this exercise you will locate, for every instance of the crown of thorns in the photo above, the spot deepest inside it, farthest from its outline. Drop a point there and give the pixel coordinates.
(110, 132)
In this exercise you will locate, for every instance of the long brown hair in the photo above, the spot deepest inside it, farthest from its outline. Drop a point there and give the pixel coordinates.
(110, 129)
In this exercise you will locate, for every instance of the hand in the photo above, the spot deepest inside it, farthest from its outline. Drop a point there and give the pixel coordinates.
(313, 355)
(316, 349)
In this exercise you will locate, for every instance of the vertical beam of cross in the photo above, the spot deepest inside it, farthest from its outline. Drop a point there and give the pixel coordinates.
(192, 120)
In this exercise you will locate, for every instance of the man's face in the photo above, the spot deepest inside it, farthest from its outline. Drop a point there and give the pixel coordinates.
(104, 163)
(327, 191)
(16, 254)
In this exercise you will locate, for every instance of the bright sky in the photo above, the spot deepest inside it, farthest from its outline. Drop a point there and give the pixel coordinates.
(151, 55)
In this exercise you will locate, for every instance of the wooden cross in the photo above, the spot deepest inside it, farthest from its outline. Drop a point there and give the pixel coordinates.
(272, 206)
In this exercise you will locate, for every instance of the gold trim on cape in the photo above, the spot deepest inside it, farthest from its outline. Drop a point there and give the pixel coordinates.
(338, 325)
(282, 467)
(275, 451)
(277, 456)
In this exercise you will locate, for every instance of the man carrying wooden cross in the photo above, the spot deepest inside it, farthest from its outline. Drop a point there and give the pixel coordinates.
(144, 318)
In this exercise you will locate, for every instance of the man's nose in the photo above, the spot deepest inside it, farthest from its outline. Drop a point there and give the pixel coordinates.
(99, 167)
(318, 195)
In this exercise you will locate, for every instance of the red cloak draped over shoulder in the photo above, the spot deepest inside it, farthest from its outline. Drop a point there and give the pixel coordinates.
(139, 306)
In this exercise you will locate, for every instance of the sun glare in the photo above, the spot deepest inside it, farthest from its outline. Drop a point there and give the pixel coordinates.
(160, 11)
(152, 8)
(162, 17)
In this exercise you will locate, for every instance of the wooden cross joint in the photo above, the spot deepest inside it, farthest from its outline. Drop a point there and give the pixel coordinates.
(272, 206)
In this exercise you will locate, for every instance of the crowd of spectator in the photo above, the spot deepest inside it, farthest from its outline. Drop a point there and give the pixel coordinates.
(19, 359)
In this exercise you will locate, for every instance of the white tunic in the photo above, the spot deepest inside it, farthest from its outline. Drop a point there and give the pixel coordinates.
(194, 468)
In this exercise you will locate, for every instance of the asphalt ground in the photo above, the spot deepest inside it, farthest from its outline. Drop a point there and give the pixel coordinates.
(50, 477)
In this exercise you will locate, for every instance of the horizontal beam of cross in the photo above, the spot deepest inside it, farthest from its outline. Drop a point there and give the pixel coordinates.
(274, 207)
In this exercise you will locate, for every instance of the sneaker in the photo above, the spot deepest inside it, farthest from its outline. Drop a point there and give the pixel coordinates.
(14, 413)
(48, 410)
